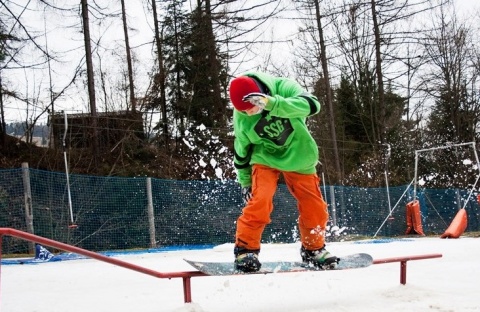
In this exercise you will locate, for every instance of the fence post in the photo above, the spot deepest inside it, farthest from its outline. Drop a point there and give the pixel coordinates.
(27, 191)
(151, 215)
(458, 199)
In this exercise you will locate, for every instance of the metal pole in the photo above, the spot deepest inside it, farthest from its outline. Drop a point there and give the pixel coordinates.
(415, 178)
(386, 178)
(476, 155)
(151, 215)
(27, 191)
(471, 191)
(444, 147)
(394, 207)
(1, 241)
(478, 177)
(62, 246)
(324, 188)
(332, 204)
(66, 170)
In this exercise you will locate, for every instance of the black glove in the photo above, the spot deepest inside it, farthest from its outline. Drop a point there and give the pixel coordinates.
(257, 99)
(246, 194)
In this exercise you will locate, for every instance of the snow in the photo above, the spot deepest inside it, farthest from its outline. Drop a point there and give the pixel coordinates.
(449, 283)
(202, 163)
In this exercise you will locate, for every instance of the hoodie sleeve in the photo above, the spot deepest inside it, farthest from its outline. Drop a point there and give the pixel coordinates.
(291, 101)
(242, 155)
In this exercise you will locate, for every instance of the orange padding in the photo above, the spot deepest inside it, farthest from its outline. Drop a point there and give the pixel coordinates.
(458, 225)
(414, 218)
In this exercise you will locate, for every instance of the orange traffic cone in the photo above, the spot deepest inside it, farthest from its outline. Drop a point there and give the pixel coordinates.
(458, 225)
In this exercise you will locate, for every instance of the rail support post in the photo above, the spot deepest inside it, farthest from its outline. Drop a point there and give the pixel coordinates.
(403, 263)
(187, 289)
(1, 255)
(403, 272)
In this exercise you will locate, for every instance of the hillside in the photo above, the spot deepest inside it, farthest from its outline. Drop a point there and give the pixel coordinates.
(121, 161)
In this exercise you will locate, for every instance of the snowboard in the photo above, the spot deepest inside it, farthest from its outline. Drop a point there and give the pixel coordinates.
(353, 261)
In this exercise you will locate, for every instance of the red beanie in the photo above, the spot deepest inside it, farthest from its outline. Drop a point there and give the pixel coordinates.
(239, 87)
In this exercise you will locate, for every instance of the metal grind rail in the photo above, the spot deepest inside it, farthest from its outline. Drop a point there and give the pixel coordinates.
(186, 275)
(403, 263)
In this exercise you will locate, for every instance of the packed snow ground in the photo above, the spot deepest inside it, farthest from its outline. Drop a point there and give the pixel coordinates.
(450, 283)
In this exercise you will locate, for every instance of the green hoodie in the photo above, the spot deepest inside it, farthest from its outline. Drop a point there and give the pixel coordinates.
(278, 137)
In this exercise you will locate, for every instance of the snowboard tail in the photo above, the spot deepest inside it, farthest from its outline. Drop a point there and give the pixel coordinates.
(353, 261)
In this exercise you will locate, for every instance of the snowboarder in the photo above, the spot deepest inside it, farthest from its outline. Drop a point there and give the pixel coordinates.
(271, 138)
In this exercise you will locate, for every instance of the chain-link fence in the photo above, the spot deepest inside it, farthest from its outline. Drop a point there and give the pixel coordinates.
(111, 213)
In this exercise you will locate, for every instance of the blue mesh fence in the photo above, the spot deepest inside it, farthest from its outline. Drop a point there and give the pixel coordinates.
(111, 212)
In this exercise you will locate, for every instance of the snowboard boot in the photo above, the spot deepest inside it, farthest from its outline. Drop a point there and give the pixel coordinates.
(319, 258)
(246, 260)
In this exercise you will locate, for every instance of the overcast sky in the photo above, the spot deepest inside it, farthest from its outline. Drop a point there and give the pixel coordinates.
(68, 45)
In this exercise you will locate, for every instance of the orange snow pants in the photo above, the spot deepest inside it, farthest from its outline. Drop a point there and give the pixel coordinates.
(313, 213)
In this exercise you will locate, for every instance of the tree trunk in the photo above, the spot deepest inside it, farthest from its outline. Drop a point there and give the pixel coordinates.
(3, 126)
(90, 81)
(161, 82)
(129, 59)
(219, 108)
(328, 95)
(378, 69)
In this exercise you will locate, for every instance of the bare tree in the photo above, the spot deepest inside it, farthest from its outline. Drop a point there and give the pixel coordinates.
(193, 52)
(311, 11)
(15, 37)
(129, 59)
(452, 79)
(378, 69)
(90, 80)
(365, 44)
(160, 77)
(328, 90)
(219, 113)
(357, 66)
